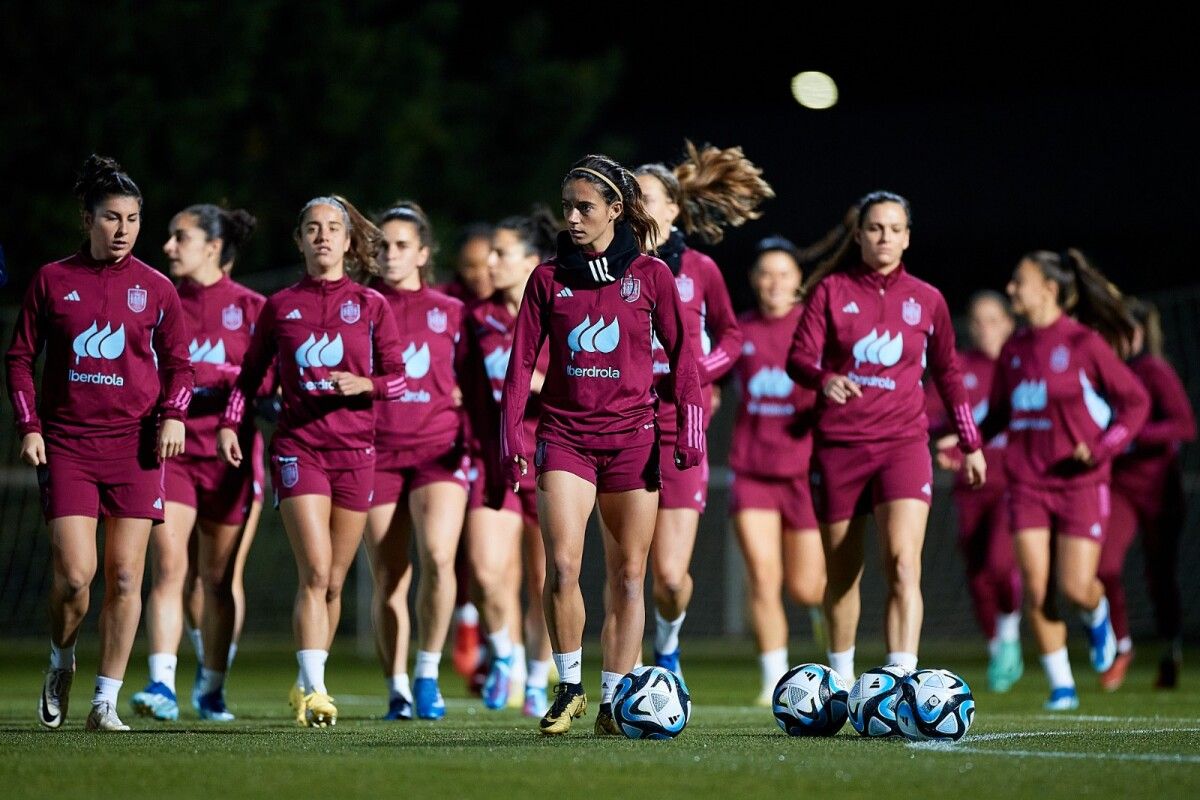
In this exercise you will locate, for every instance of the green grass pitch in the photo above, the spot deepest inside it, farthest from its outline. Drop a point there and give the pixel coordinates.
(1135, 743)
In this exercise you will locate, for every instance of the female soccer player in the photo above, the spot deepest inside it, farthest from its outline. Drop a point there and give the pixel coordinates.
(421, 463)
(115, 390)
(1069, 405)
(984, 535)
(338, 354)
(498, 538)
(710, 190)
(200, 488)
(772, 443)
(595, 304)
(1147, 495)
(868, 330)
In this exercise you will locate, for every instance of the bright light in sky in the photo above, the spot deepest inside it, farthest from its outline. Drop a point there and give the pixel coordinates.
(814, 90)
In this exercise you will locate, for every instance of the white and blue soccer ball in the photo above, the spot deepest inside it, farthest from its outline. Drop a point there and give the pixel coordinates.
(810, 700)
(935, 705)
(873, 701)
(651, 703)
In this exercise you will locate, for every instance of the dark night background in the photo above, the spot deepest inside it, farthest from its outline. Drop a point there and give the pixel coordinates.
(1006, 134)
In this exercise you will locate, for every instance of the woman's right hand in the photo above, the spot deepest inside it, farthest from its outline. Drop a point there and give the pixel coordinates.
(228, 447)
(33, 449)
(839, 389)
(514, 470)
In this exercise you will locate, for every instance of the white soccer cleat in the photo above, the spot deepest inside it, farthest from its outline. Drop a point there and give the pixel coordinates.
(56, 692)
(103, 717)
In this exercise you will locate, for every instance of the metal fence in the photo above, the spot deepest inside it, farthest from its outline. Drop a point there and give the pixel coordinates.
(718, 607)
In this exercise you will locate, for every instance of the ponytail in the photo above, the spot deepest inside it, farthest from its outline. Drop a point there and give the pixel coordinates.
(1084, 293)
(1146, 315)
(714, 188)
(843, 255)
(614, 183)
(233, 228)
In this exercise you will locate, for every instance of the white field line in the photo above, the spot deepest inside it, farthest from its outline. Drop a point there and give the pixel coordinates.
(967, 748)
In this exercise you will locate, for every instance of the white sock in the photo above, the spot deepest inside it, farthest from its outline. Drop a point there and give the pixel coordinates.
(501, 643)
(312, 670)
(519, 669)
(398, 687)
(570, 666)
(906, 661)
(1058, 669)
(843, 664)
(773, 664)
(666, 632)
(539, 674)
(197, 643)
(300, 677)
(1124, 644)
(232, 653)
(211, 680)
(162, 669)
(1096, 615)
(427, 664)
(106, 690)
(1008, 627)
(62, 657)
(467, 614)
(608, 685)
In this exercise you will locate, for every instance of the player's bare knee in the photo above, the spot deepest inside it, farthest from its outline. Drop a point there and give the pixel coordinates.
(124, 581)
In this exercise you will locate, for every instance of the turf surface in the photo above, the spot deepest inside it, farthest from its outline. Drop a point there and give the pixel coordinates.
(1135, 743)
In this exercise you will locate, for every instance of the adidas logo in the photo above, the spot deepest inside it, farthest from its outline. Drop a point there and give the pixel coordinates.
(565, 292)
(293, 314)
(925, 490)
(73, 297)
(850, 308)
(158, 504)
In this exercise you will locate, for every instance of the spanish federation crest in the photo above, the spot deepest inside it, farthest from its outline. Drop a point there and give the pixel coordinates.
(911, 312)
(350, 312)
(289, 474)
(136, 298)
(631, 289)
(1060, 358)
(436, 319)
(686, 287)
(231, 317)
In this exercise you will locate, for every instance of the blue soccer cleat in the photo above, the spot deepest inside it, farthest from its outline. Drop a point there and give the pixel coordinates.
(1064, 698)
(668, 661)
(157, 701)
(197, 687)
(536, 701)
(428, 697)
(495, 688)
(1103, 644)
(212, 707)
(399, 708)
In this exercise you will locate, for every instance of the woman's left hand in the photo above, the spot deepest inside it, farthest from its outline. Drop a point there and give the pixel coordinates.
(170, 439)
(347, 383)
(1083, 454)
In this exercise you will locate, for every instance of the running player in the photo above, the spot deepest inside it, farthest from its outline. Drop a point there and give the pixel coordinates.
(868, 330)
(772, 443)
(498, 538)
(420, 467)
(1069, 405)
(1147, 495)
(984, 536)
(202, 491)
(595, 304)
(116, 385)
(711, 189)
(471, 284)
(338, 353)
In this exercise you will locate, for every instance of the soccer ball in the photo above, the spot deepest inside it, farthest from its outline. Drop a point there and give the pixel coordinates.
(935, 704)
(651, 703)
(873, 700)
(810, 700)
